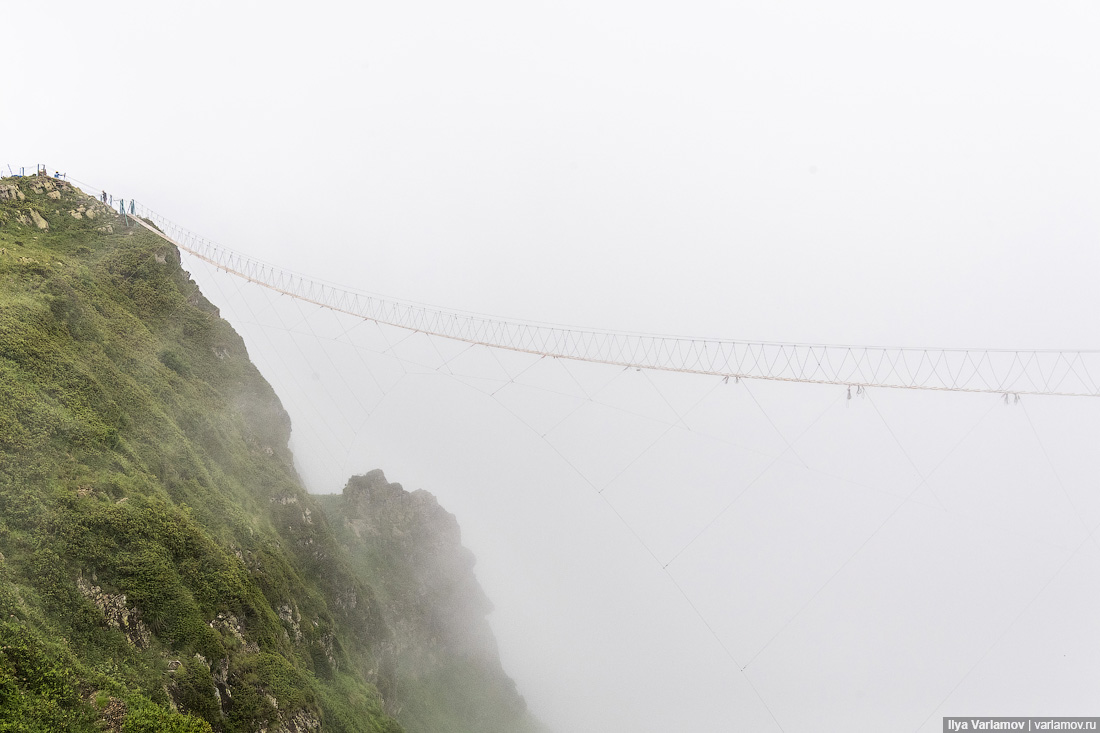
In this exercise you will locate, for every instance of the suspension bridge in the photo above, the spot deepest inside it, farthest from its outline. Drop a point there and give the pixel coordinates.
(998, 371)
(1047, 372)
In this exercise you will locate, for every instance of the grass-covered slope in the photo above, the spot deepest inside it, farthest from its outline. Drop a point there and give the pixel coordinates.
(161, 568)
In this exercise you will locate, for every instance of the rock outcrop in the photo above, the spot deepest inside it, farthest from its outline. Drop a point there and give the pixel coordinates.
(410, 549)
(117, 613)
(436, 606)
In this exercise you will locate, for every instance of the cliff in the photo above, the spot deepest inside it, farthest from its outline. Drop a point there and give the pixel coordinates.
(449, 675)
(161, 566)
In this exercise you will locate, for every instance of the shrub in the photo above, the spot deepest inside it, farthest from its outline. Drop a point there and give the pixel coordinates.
(149, 718)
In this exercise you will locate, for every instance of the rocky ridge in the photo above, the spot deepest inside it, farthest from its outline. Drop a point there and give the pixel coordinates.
(411, 549)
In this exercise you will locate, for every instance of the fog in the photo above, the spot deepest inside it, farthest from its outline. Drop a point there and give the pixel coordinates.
(665, 552)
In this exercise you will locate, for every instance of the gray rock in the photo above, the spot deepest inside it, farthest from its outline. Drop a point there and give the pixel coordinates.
(288, 614)
(11, 192)
(117, 613)
(38, 220)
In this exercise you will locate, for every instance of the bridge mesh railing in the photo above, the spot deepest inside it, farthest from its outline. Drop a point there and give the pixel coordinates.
(1009, 372)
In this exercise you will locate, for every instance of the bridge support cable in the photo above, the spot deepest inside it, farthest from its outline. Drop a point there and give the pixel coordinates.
(997, 371)
(1008, 627)
(885, 521)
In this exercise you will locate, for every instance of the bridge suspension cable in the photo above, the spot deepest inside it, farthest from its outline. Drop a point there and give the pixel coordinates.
(998, 371)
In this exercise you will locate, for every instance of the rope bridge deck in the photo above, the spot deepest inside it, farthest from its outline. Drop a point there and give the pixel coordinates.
(1009, 372)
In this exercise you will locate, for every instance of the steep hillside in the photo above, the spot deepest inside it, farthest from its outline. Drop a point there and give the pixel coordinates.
(409, 549)
(161, 567)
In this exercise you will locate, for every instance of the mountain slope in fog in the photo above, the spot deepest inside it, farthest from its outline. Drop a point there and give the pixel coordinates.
(161, 566)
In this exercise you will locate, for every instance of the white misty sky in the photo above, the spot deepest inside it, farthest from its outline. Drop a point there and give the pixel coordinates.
(842, 173)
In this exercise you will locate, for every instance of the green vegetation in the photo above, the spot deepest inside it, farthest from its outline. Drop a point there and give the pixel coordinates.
(161, 567)
(155, 541)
